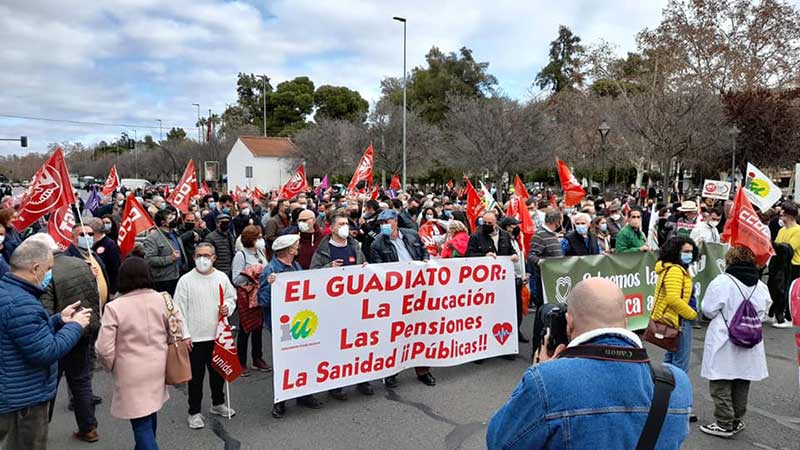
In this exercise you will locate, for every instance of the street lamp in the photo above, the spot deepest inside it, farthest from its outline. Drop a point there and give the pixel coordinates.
(199, 137)
(603, 129)
(264, 94)
(160, 130)
(734, 132)
(403, 20)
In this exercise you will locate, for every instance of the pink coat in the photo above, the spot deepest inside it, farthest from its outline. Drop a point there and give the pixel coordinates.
(133, 345)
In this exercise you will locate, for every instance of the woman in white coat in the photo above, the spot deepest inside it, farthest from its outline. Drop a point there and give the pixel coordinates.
(728, 367)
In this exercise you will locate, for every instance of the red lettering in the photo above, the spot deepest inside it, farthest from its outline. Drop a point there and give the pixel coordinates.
(464, 273)
(481, 274)
(497, 269)
(417, 349)
(397, 330)
(307, 295)
(292, 291)
(394, 281)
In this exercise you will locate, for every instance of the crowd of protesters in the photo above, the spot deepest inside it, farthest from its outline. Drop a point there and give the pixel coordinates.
(85, 303)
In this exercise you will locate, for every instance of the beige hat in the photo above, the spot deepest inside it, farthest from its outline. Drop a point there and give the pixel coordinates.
(688, 206)
(285, 241)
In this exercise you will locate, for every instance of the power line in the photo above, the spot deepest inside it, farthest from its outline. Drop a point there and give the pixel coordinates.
(79, 122)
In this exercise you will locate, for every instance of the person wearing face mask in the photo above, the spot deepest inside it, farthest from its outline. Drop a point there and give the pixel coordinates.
(285, 250)
(615, 221)
(396, 245)
(110, 228)
(599, 229)
(190, 235)
(687, 220)
(544, 244)
(631, 238)
(675, 299)
(223, 206)
(244, 218)
(310, 236)
(164, 252)
(12, 239)
(197, 297)
(337, 250)
(33, 341)
(73, 280)
(224, 244)
(247, 267)
(706, 231)
(108, 251)
(580, 242)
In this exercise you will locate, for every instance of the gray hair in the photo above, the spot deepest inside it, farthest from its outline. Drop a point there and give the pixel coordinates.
(583, 216)
(45, 239)
(95, 224)
(553, 217)
(30, 252)
(157, 198)
(205, 245)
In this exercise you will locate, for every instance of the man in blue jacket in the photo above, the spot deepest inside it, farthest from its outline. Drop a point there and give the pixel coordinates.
(588, 403)
(31, 343)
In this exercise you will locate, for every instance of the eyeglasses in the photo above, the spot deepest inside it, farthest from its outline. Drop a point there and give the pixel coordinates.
(86, 234)
(636, 217)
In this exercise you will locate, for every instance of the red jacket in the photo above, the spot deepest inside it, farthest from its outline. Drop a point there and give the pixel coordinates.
(457, 243)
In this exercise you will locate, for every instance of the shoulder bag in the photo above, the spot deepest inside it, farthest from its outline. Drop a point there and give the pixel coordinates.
(661, 334)
(179, 367)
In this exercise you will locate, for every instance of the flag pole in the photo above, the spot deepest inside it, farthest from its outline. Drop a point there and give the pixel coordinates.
(228, 396)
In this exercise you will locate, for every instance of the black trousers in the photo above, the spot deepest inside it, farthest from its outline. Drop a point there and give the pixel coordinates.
(241, 346)
(166, 286)
(77, 366)
(519, 304)
(200, 357)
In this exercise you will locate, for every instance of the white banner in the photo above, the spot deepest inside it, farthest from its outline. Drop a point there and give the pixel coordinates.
(760, 189)
(717, 189)
(342, 326)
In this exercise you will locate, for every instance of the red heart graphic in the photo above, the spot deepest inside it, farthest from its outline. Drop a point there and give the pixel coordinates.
(502, 331)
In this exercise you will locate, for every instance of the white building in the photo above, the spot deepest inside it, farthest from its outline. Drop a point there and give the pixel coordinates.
(263, 162)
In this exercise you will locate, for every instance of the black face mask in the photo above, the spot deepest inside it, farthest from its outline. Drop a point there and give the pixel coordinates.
(187, 227)
(487, 229)
(224, 226)
(515, 232)
(174, 224)
(354, 215)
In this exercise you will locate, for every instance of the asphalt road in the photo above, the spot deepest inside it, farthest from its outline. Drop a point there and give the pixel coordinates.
(451, 415)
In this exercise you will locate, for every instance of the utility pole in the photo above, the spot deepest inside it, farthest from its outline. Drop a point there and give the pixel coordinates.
(160, 130)
(199, 136)
(403, 20)
(264, 94)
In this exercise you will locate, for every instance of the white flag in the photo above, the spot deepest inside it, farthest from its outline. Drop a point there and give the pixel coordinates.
(760, 189)
(652, 230)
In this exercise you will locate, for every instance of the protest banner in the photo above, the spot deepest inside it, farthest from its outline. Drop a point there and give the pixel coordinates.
(633, 272)
(717, 189)
(341, 326)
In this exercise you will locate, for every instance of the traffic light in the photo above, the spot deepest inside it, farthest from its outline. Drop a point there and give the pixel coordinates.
(131, 144)
(23, 141)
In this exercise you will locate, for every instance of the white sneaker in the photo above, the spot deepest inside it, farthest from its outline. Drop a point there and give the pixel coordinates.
(222, 410)
(768, 319)
(785, 324)
(196, 421)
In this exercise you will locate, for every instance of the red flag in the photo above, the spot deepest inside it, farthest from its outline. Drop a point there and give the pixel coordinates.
(224, 358)
(60, 225)
(519, 210)
(475, 206)
(573, 192)
(296, 184)
(375, 193)
(363, 171)
(135, 220)
(519, 188)
(203, 190)
(256, 195)
(50, 189)
(429, 232)
(112, 182)
(553, 202)
(743, 228)
(395, 184)
(185, 190)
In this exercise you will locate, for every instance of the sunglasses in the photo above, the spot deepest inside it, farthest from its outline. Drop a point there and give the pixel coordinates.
(86, 234)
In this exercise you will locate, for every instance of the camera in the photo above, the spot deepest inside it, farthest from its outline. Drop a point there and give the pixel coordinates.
(551, 320)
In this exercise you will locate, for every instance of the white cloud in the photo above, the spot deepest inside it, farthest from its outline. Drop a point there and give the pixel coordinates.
(133, 61)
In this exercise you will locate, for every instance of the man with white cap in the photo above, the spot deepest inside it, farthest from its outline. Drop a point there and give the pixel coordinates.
(285, 250)
(686, 223)
(197, 297)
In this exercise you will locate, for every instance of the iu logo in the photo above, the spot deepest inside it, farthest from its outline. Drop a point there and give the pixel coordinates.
(303, 325)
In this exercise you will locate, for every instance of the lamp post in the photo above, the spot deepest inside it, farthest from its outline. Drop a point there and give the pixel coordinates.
(603, 129)
(160, 130)
(264, 94)
(734, 132)
(403, 20)
(199, 136)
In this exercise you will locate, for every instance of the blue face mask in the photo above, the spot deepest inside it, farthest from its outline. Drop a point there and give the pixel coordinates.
(603, 227)
(85, 242)
(686, 258)
(48, 277)
(226, 210)
(582, 229)
(386, 229)
(107, 227)
(212, 205)
(162, 206)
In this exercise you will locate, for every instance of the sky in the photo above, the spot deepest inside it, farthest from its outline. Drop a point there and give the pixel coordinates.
(132, 62)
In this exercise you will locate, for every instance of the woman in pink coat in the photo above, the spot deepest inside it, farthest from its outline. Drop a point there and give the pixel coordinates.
(132, 344)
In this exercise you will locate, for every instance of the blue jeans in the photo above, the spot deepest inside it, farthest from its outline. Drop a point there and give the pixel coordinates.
(144, 432)
(683, 356)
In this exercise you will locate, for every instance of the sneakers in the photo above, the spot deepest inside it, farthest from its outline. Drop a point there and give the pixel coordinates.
(196, 421)
(784, 324)
(715, 429)
(261, 365)
(222, 410)
(738, 426)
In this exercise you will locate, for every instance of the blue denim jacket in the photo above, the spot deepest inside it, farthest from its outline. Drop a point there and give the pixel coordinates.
(579, 403)
(265, 289)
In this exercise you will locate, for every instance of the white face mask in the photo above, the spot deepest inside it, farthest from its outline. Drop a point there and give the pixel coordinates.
(303, 227)
(343, 231)
(429, 217)
(245, 211)
(203, 264)
(615, 216)
(261, 244)
(2, 238)
(713, 223)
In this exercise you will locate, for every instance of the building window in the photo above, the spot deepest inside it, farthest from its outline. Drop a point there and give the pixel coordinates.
(248, 171)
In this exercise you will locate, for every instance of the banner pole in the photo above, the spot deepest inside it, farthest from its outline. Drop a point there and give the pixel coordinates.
(228, 396)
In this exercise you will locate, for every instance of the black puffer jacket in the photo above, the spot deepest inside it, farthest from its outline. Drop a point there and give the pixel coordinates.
(225, 248)
(73, 281)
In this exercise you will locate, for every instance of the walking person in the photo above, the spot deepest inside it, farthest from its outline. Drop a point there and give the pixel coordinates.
(197, 297)
(247, 267)
(164, 252)
(132, 344)
(730, 367)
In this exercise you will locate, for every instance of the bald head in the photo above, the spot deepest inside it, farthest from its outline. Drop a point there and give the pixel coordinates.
(595, 303)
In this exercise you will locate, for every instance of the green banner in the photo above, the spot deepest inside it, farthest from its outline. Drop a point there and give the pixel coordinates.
(633, 272)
